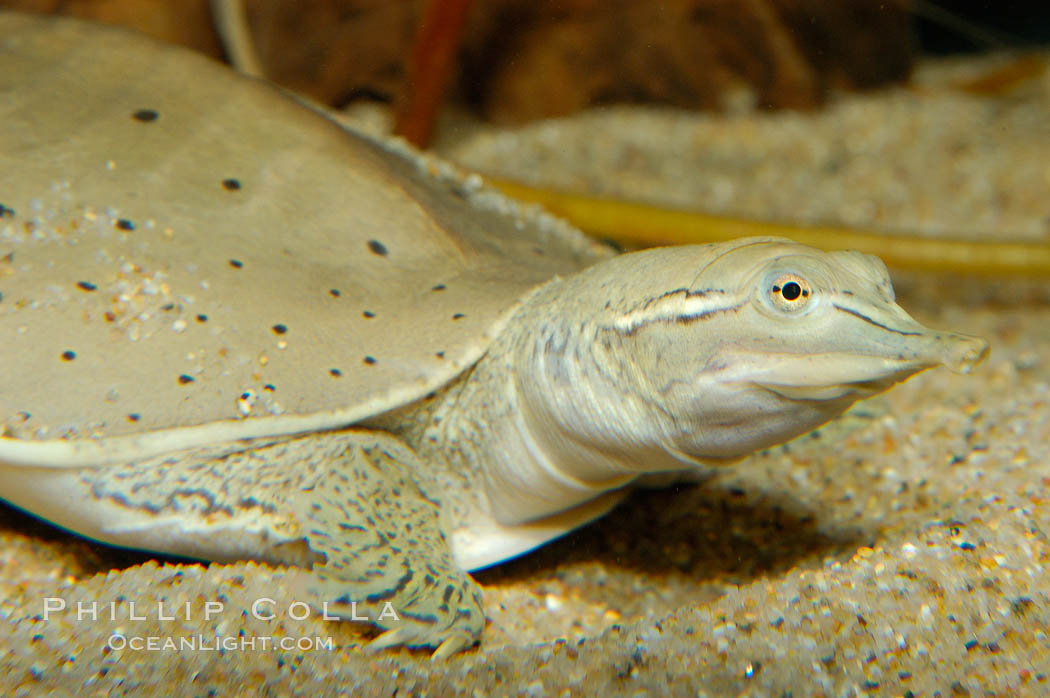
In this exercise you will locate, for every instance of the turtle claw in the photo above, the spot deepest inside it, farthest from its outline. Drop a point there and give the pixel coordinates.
(409, 636)
(391, 638)
(452, 645)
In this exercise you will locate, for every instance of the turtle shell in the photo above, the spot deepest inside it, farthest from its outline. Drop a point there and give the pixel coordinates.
(188, 255)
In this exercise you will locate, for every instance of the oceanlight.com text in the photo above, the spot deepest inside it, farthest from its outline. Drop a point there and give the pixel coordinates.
(217, 643)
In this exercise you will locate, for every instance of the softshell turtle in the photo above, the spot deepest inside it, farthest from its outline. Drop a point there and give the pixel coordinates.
(233, 329)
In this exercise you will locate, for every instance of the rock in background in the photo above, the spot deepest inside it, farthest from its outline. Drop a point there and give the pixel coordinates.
(527, 59)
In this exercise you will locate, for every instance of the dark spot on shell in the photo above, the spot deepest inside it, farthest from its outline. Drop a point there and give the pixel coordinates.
(334, 292)
(184, 379)
(335, 372)
(86, 286)
(110, 316)
(440, 354)
(439, 287)
(246, 396)
(202, 317)
(279, 328)
(134, 417)
(124, 224)
(145, 115)
(6, 212)
(458, 316)
(168, 307)
(68, 355)
(269, 387)
(231, 184)
(368, 314)
(369, 360)
(236, 263)
(378, 248)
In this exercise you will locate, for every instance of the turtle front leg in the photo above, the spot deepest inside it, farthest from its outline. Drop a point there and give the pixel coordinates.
(342, 506)
(383, 548)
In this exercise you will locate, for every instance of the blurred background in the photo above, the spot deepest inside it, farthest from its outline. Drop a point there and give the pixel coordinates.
(518, 60)
(851, 122)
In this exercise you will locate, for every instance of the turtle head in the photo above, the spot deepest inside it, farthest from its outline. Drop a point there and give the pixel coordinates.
(708, 353)
(765, 340)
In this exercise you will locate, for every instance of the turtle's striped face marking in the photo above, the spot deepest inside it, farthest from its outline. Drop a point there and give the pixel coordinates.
(681, 305)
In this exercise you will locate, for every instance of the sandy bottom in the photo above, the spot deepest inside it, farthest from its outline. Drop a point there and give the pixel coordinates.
(901, 551)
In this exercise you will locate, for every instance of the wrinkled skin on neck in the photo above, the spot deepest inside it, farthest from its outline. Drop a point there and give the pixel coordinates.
(659, 359)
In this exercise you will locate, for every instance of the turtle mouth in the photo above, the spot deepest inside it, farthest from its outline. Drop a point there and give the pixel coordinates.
(854, 390)
(832, 376)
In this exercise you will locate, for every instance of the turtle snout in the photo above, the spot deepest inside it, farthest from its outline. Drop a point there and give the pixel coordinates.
(961, 352)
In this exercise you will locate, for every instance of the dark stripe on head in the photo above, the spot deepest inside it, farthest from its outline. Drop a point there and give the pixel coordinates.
(868, 320)
(686, 319)
(684, 292)
(689, 319)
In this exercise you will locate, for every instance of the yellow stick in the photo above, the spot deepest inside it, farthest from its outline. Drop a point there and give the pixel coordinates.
(643, 224)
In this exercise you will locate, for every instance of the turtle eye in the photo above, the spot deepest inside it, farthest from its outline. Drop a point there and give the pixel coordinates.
(790, 292)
